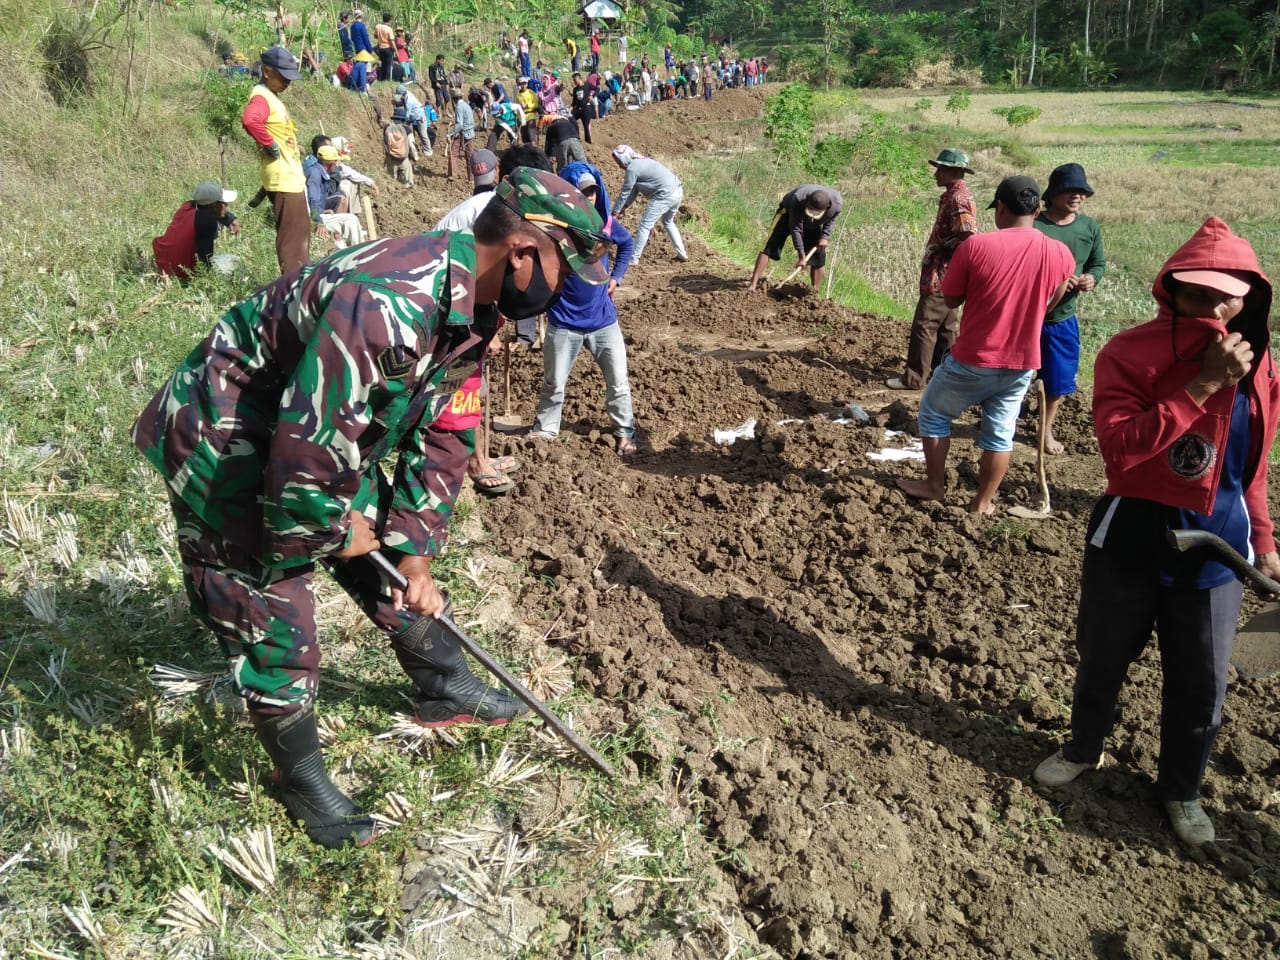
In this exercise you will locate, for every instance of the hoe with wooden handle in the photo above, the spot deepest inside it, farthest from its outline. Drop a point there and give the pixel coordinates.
(498, 670)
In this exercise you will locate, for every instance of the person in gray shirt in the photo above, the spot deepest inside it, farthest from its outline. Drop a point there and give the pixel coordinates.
(462, 134)
(806, 215)
(648, 178)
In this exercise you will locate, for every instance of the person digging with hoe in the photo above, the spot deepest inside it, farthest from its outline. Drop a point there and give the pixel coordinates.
(271, 435)
(1185, 410)
(1006, 280)
(806, 215)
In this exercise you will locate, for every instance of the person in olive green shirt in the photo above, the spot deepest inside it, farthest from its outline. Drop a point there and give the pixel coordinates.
(1062, 220)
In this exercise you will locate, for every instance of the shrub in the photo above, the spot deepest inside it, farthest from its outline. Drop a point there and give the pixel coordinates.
(788, 117)
(1018, 116)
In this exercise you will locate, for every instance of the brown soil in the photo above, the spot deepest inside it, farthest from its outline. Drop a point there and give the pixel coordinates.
(861, 684)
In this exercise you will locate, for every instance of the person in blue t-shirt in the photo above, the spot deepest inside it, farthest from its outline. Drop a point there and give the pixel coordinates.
(585, 316)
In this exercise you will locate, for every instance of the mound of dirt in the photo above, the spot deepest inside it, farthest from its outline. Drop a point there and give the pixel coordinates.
(861, 684)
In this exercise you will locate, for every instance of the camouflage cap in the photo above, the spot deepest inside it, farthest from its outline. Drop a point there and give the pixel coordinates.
(559, 210)
(951, 157)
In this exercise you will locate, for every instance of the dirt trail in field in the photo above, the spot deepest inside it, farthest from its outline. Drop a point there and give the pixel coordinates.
(861, 684)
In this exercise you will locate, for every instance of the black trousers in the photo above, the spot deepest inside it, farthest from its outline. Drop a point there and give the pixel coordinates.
(1121, 600)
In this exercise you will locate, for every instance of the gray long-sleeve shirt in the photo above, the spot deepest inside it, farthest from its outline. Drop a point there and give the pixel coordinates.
(794, 203)
(464, 121)
(646, 178)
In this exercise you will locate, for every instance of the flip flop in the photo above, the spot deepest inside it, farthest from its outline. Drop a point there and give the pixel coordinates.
(504, 464)
(626, 447)
(494, 490)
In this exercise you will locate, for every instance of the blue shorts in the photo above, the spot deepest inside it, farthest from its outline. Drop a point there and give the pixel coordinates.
(1060, 356)
(955, 387)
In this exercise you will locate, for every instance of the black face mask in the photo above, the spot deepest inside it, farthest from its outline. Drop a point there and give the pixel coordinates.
(536, 298)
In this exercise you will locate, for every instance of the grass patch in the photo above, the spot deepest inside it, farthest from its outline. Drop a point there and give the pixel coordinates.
(116, 795)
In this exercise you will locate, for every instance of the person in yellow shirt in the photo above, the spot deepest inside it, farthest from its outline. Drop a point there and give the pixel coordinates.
(528, 101)
(266, 119)
(571, 47)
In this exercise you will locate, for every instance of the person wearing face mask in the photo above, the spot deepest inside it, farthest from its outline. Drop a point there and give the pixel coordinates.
(271, 434)
(1185, 410)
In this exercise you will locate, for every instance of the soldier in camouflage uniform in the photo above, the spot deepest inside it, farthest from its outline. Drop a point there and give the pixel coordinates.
(271, 433)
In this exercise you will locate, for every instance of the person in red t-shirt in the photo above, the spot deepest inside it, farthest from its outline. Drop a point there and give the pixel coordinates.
(190, 235)
(1007, 281)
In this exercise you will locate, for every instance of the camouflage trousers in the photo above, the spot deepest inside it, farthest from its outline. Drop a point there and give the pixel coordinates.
(265, 617)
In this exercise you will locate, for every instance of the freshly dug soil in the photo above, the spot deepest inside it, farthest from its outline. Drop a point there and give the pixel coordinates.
(861, 684)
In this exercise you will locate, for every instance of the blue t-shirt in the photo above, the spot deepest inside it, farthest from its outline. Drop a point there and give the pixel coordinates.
(1229, 519)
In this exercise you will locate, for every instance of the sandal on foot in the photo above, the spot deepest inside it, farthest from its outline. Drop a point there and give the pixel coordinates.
(504, 486)
(626, 446)
(504, 464)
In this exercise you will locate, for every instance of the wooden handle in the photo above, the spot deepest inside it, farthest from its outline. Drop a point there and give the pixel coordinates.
(370, 227)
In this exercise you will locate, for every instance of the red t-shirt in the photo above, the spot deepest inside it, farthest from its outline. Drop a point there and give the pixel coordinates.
(1007, 279)
(175, 249)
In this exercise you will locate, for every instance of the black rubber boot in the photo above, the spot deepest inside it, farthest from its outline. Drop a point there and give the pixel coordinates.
(330, 818)
(448, 691)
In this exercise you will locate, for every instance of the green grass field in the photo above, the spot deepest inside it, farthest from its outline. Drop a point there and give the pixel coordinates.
(119, 787)
(1160, 163)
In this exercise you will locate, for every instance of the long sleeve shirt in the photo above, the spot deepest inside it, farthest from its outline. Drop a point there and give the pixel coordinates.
(273, 428)
(647, 178)
(956, 220)
(360, 37)
(585, 307)
(317, 188)
(799, 222)
(559, 131)
(1083, 238)
(464, 120)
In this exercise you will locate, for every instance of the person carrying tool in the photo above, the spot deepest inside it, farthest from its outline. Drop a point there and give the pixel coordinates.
(806, 215)
(271, 433)
(462, 134)
(1005, 280)
(585, 316)
(935, 324)
(1185, 410)
(1060, 340)
(646, 177)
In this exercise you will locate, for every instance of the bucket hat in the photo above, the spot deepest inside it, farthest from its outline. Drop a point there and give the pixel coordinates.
(1069, 176)
(951, 157)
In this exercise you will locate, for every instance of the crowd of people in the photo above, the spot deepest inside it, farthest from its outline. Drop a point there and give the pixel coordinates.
(365, 363)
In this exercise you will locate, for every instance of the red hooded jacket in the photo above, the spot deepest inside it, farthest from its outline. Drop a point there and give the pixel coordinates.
(1157, 443)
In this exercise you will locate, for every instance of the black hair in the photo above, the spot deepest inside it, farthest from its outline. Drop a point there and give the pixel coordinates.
(1023, 203)
(497, 221)
(523, 155)
(318, 141)
(386, 16)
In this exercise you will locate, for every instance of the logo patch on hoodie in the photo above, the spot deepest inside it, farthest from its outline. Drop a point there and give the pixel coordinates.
(1192, 455)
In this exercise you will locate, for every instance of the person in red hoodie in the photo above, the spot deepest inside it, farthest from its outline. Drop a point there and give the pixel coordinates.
(1185, 410)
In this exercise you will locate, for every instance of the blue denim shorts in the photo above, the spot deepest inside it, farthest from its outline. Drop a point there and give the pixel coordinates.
(955, 387)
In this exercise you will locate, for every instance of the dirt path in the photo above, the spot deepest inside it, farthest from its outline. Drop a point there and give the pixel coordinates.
(862, 685)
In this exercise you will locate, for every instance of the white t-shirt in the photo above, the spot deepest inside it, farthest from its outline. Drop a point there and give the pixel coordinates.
(465, 214)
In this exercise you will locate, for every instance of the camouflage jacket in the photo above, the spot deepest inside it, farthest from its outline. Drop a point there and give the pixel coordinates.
(272, 429)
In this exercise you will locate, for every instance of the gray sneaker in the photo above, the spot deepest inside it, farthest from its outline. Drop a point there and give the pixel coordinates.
(1190, 822)
(1058, 771)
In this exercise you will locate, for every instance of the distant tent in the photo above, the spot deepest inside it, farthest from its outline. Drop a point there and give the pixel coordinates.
(600, 14)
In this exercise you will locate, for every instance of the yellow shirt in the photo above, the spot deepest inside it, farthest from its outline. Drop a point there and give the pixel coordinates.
(528, 101)
(384, 36)
(283, 174)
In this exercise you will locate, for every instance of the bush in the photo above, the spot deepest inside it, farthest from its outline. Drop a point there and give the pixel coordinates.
(788, 117)
(224, 100)
(1018, 116)
(829, 157)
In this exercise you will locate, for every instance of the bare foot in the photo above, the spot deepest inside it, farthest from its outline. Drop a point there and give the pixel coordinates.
(981, 509)
(920, 489)
(1052, 445)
